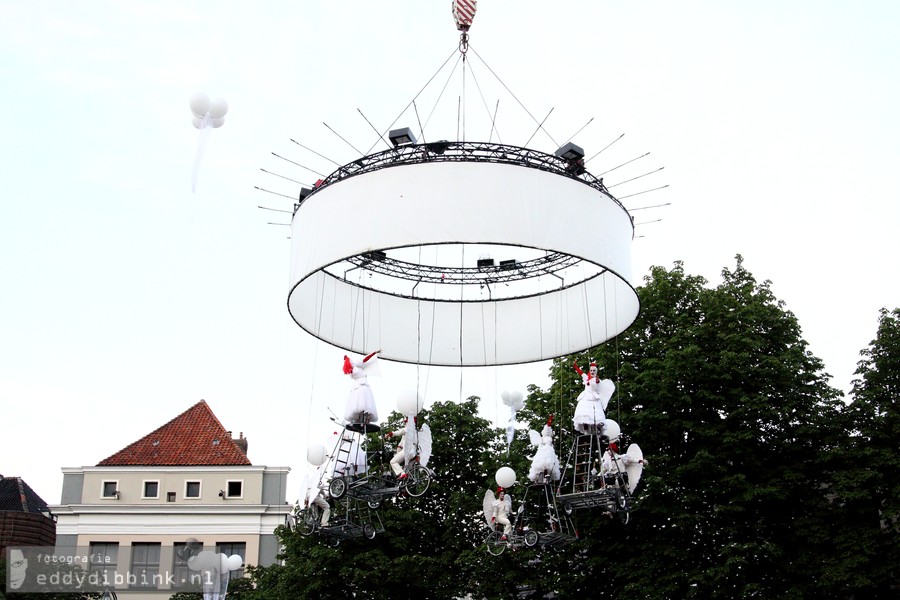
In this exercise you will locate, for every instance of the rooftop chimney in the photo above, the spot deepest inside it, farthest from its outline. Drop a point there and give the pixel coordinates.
(241, 442)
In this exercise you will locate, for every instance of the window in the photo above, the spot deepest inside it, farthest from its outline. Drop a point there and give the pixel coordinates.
(104, 557)
(170, 496)
(151, 489)
(145, 565)
(181, 573)
(192, 489)
(111, 489)
(235, 489)
(229, 548)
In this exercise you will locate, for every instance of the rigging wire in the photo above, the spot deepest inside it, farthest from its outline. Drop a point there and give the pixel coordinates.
(342, 137)
(416, 96)
(511, 93)
(494, 124)
(373, 129)
(484, 102)
(441, 95)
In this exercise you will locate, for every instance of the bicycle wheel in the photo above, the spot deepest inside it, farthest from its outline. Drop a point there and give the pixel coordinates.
(307, 522)
(418, 481)
(337, 488)
(494, 545)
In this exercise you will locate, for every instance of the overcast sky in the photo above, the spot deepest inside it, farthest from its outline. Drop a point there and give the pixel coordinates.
(126, 297)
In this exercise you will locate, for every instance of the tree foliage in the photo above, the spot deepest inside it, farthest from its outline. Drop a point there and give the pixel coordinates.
(753, 489)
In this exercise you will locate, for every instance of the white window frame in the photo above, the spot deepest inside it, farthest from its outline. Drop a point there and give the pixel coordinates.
(114, 496)
(144, 495)
(241, 481)
(200, 492)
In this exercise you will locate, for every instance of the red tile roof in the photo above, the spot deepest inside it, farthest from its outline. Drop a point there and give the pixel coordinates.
(193, 438)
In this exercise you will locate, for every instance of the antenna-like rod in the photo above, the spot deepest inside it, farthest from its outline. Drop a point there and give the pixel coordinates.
(298, 164)
(644, 192)
(494, 122)
(276, 193)
(539, 127)
(314, 152)
(579, 131)
(646, 207)
(633, 178)
(622, 165)
(283, 177)
(421, 129)
(381, 137)
(604, 148)
(342, 138)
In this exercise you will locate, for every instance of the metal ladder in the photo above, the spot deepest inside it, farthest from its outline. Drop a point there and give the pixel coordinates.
(584, 449)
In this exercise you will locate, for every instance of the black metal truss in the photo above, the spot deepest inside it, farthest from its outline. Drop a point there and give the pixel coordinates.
(379, 262)
(444, 151)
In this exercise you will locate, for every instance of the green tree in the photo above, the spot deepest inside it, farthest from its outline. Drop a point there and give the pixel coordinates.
(429, 546)
(718, 386)
(864, 505)
(738, 422)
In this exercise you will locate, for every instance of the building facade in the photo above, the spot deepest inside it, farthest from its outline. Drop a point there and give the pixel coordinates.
(187, 482)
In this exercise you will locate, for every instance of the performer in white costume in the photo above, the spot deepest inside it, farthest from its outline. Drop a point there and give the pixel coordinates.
(615, 465)
(360, 407)
(399, 453)
(592, 401)
(501, 507)
(544, 463)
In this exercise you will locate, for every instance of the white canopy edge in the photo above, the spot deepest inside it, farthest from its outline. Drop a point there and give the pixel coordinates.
(461, 203)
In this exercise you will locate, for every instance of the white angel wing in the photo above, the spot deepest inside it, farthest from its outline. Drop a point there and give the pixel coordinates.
(607, 388)
(534, 437)
(633, 467)
(425, 445)
(488, 506)
(508, 502)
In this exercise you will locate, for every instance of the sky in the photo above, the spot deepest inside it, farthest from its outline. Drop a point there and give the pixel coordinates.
(128, 294)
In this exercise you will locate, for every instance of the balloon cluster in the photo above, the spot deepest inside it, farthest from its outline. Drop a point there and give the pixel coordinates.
(208, 112)
(515, 403)
(212, 561)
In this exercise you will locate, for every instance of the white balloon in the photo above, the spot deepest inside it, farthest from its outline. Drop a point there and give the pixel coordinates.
(218, 108)
(223, 563)
(505, 396)
(197, 122)
(234, 562)
(193, 563)
(611, 429)
(505, 477)
(207, 561)
(200, 104)
(315, 454)
(409, 403)
(217, 122)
